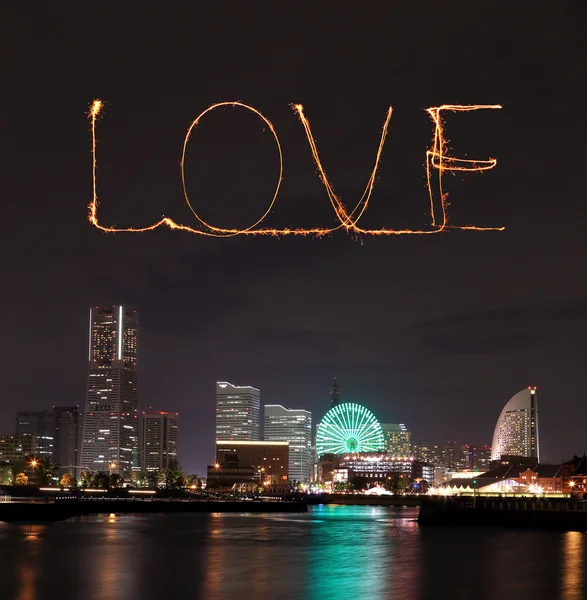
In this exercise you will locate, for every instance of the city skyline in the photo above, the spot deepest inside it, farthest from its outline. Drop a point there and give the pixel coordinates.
(110, 345)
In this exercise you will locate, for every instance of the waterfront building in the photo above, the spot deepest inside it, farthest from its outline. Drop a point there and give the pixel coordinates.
(66, 439)
(544, 479)
(365, 469)
(427, 472)
(428, 453)
(440, 475)
(516, 431)
(516, 476)
(294, 426)
(16, 448)
(479, 457)
(111, 420)
(398, 440)
(159, 439)
(41, 425)
(237, 412)
(269, 461)
(574, 474)
(349, 428)
(455, 456)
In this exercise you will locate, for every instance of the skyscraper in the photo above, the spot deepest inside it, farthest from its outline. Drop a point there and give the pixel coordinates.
(334, 394)
(111, 421)
(516, 431)
(398, 440)
(41, 424)
(237, 412)
(66, 439)
(159, 436)
(293, 426)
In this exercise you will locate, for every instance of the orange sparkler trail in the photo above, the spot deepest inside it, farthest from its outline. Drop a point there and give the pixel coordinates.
(346, 219)
(221, 231)
(435, 158)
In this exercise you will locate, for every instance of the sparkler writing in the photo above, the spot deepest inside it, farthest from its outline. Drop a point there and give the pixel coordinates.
(436, 159)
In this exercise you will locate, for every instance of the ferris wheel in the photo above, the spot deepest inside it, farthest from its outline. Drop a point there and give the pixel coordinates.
(348, 428)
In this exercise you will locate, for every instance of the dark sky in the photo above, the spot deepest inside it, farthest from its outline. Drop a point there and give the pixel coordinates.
(434, 331)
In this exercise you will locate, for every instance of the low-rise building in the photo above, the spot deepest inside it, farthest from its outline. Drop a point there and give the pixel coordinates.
(269, 461)
(15, 448)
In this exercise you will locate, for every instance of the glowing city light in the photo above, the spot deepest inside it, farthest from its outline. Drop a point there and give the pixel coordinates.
(349, 427)
(437, 159)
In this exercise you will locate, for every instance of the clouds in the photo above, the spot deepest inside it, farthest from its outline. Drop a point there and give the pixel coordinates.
(508, 330)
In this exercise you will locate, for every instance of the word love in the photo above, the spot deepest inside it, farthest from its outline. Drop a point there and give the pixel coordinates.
(437, 161)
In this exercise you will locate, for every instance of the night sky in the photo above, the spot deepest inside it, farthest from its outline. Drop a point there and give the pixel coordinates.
(437, 332)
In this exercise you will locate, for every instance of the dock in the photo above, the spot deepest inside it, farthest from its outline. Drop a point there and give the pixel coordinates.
(63, 508)
(559, 514)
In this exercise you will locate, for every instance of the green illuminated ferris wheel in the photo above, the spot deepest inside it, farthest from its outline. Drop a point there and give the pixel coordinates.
(348, 428)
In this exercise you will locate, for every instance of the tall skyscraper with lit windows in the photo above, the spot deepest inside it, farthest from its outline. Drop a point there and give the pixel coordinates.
(238, 410)
(516, 431)
(294, 426)
(111, 422)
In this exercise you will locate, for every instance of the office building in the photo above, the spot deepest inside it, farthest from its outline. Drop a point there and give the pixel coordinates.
(456, 456)
(111, 420)
(398, 440)
(294, 426)
(237, 412)
(159, 437)
(41, 425)
(269, 461)
(479, 457)
(16, 449)
(516, 431)
(428, 453)
(66, 439)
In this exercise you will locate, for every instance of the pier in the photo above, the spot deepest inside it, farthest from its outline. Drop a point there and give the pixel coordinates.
(559, 514)
(66, 507)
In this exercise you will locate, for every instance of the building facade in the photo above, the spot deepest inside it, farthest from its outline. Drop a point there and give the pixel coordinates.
(66, 439)
(429, 453)
(238, 410)
(479, 457)
(294, 426)
(111, 420)
(398, 440)
(516, 431)
(16, 448)
(456, 456)
(159, 440)
(41, 425)
(269, 460)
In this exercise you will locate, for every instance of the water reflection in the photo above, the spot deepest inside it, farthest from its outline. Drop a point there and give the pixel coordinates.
(573, 560)
(332, 552)
(363, 552)
(28, 560)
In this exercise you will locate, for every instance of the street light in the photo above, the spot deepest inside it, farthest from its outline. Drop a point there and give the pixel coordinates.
(34, 463)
